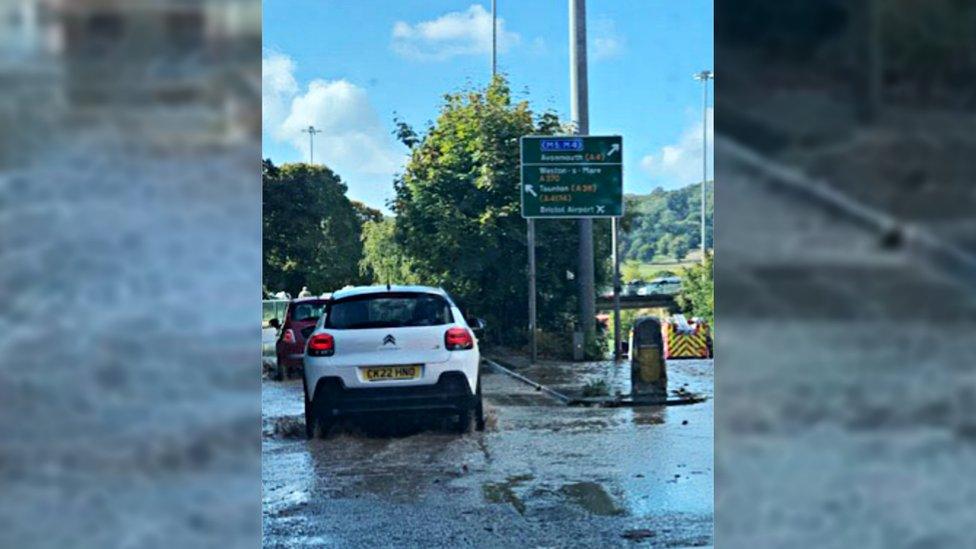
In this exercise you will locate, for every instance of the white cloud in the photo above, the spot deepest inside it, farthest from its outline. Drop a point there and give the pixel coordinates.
(278, 87)
(352, 138)
(353, 141)
(681, 163)
(450, 35)
(605, 41)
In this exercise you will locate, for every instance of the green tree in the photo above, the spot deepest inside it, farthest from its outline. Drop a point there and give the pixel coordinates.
(697, 297)
(630, 271)
(311, 229)
(665, 225)
(365, 214)
(458, 214)
(384, 262)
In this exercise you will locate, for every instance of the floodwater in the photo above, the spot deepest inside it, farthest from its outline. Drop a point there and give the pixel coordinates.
(542, 474)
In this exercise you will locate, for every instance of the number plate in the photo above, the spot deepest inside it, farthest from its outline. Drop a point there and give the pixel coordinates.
(383, 373)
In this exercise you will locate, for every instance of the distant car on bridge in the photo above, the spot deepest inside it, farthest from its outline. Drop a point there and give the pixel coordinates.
(669, 285)
(633, 288)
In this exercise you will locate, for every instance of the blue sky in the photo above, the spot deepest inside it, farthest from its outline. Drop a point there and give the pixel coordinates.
(347, 66)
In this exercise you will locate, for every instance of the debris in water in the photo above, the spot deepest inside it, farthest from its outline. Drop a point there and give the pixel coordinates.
(637, 535)
(592, 497)
(285, 427)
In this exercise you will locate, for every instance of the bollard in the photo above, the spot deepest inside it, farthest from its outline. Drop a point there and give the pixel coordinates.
(648, 370)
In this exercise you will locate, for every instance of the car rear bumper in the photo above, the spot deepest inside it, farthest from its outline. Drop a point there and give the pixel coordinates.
(463, 362)
(450, 393)
(292, 360)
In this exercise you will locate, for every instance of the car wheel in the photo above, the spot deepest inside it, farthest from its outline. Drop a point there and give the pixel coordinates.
(321, 420)
(280, 370)
(479, 411)
(464, 421)
(309, 415)
(321, 427)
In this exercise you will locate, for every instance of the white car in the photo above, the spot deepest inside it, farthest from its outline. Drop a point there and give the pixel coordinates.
(664, 285)
(392, 349)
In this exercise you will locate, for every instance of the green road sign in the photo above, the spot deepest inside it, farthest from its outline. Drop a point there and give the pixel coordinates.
(572, 176)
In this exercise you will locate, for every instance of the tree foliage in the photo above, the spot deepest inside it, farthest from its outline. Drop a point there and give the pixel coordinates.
(365, 214)
(311, 229)
(384, 262)
(665, 225)
(697, 297)
(458, 214)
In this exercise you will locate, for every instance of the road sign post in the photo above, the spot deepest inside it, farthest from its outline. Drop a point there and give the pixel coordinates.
(616, 291)
(532, 291)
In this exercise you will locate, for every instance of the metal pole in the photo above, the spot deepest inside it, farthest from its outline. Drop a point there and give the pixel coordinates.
(704, 161)
(311, 131)
(532, 311)
(704, 77)
(616, 293)
(494, 40)
(579, 112)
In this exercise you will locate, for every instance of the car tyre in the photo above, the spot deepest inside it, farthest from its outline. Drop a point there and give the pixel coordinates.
(318, 422)
(464, 422)
(479, 410)
(309, 414)
(321, 427)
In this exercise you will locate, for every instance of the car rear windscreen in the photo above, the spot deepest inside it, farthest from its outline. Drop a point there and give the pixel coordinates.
(389, 310)
(308, 310)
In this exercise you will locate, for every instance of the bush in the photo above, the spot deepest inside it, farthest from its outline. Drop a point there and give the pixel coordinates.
(697, 297)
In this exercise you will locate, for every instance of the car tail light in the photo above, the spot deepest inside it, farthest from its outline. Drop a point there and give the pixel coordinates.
(288, 336)
(458, 339)
(321, 345)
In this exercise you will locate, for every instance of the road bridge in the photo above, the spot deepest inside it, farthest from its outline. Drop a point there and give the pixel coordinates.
(664, 301)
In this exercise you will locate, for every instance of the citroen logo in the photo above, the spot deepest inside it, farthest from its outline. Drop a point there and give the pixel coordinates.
(389, 340)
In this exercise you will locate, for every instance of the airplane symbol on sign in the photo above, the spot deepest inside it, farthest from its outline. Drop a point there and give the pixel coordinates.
(599, 209)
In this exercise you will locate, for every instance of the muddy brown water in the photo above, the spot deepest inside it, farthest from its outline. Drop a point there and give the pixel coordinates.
(542, 474)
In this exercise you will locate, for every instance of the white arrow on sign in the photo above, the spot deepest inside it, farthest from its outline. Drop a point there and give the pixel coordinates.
(613, 148)
(530, 190)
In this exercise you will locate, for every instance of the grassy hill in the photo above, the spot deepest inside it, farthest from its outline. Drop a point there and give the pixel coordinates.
(665, 225)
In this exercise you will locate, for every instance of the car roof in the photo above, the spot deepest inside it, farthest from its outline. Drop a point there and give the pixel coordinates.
(350, 291)
(312, 298)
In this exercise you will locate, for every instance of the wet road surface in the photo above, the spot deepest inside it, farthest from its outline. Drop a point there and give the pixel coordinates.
(541, 475)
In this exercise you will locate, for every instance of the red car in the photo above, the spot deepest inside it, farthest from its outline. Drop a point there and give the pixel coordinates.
(300, 318)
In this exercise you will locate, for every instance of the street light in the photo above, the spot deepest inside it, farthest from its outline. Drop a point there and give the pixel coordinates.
(494, 38)
(311, 131)
(704, 77)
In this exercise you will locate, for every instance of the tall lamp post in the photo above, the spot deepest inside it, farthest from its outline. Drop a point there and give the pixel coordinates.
(494, 37)
(311, 131)
(704, 77)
